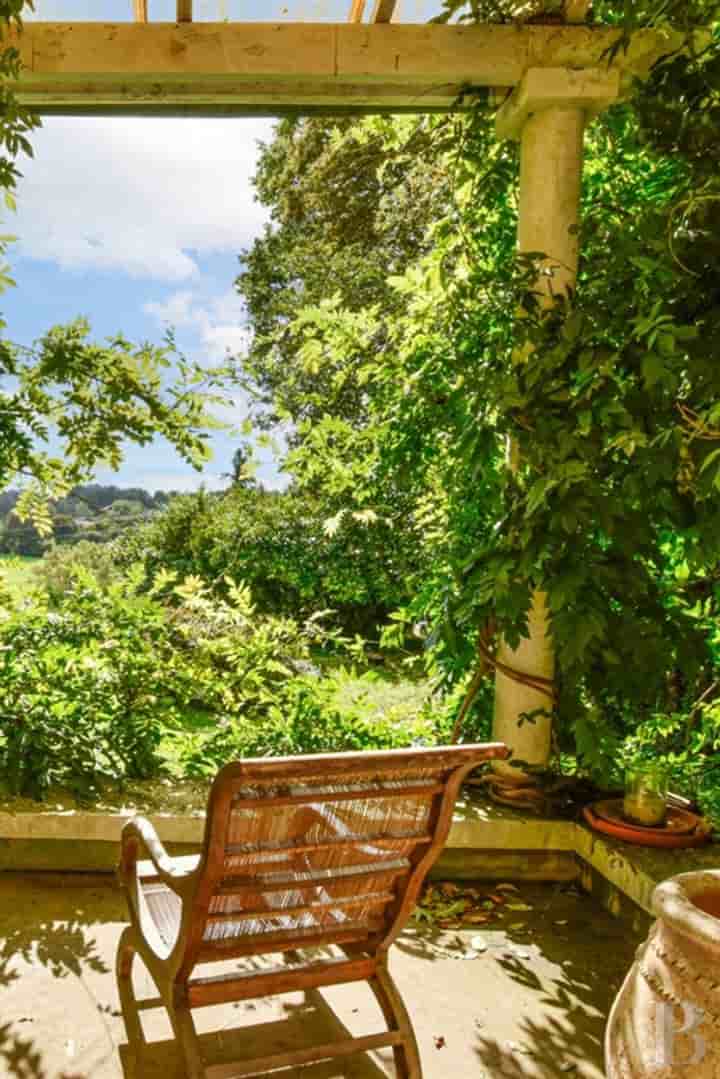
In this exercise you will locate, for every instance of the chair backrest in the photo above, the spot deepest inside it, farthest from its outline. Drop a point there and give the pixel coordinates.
(327, 849)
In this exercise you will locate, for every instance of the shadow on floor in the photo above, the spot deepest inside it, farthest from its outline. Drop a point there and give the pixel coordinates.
(21, 1058)
(593, 953)
(532, 1005)
(312, 1021)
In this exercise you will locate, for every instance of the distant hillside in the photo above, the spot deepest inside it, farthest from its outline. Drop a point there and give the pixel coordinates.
(92, 511)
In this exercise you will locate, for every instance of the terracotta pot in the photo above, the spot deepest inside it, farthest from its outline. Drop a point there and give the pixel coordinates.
(665, 1023)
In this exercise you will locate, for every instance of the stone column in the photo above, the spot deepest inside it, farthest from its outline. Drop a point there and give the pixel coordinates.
(547, 112)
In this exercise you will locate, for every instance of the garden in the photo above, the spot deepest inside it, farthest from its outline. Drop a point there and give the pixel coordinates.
(345, 611)
(480, 343)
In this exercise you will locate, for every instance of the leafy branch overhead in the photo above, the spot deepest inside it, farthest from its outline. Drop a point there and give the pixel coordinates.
(68, 404)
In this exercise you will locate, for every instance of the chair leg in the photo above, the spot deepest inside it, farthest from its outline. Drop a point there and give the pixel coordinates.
(133, 1027)
(407, 1056)
(187, 1039)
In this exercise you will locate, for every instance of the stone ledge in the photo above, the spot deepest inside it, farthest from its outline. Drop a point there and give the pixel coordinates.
(75, 824)
(474, 824)
(490, 840)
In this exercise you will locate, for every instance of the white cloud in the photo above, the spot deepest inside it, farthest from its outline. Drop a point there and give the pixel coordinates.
(143, 196)
(219, 322)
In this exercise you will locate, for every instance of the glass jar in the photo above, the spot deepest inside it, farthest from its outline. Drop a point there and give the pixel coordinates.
(646, 792)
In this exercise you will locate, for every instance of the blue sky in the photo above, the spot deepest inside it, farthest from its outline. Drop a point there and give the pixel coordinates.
(211, 10)
(137, 224)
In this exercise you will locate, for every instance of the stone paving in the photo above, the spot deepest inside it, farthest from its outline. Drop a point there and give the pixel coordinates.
(525, 998)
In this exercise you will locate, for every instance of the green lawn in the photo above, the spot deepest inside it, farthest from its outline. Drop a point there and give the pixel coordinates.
(380, 694)
(17, 571)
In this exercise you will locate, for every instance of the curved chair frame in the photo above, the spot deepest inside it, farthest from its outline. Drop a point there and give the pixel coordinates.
(298, 852)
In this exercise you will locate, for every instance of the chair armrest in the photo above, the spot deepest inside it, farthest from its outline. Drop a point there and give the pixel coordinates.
(138, 833)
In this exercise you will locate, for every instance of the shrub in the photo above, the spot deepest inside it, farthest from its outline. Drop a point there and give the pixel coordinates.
(57, 568)
(83, 695)
(115, 681)
(285, 549)
(304, 718)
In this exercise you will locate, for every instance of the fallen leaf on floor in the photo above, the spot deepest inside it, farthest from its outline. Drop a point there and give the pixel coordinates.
(516, 926)
(440, 1042)
(506, 888)
(450, 906)
(518, 906)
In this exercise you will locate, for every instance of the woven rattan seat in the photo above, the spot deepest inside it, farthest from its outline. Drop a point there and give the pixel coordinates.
(299, 852)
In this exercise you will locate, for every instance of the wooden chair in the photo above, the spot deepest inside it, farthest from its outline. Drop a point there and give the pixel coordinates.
(299, 852)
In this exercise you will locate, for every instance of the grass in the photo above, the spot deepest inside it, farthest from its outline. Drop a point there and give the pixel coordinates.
(377, 694)
(18, 573)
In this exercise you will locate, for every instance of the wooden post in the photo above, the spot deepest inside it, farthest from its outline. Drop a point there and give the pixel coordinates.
(384, 10)
(357, 11)
(548, 113)
(184, 10)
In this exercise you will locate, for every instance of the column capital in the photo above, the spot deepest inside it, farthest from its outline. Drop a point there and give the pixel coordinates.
(591, 89)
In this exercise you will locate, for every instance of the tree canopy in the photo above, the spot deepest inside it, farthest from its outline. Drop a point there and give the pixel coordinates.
(348, 206)
(614, 509)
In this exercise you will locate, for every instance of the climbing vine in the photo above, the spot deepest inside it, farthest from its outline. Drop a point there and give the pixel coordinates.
(614, 509)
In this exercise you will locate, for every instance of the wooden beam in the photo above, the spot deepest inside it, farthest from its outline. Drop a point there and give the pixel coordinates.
(384, 10)
(140, 10)
(592, 89)
(267, 69)
(184, 9)
(357, 11)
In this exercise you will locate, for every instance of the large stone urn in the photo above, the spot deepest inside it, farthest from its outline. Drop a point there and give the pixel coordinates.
(665, 1023)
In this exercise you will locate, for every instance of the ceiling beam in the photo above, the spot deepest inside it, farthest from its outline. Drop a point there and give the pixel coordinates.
(384, 10)
(357, 11)
(268, 69)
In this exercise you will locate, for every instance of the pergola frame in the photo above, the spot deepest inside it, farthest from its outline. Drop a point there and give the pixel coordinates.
(183, 68)
(551, 80)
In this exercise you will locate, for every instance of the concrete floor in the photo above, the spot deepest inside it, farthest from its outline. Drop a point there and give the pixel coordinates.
(532, 1004)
